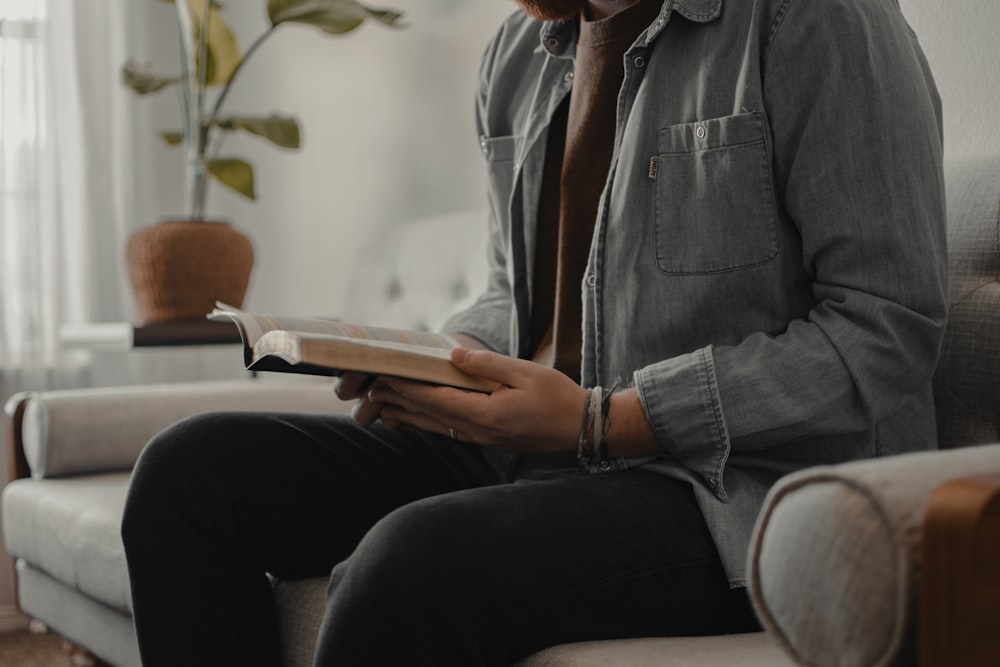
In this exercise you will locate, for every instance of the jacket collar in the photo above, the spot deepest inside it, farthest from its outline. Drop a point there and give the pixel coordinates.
(700, 11)
(558, 36)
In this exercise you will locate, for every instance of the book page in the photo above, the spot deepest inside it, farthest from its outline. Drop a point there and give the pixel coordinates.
(288, 344)
(323, 354)
(255, 325)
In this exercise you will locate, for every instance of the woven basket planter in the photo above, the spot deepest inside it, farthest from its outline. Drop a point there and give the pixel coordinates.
(179, 269)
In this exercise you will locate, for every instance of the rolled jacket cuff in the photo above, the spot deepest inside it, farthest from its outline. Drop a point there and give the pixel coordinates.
(681, 399)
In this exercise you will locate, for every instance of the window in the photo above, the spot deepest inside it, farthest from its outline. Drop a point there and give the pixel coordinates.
(23, 143)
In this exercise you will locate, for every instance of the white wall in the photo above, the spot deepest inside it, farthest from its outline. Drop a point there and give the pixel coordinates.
(962, 43)
(388, 134)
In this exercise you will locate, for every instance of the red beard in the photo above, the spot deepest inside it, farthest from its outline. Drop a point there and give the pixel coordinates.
(552, 10)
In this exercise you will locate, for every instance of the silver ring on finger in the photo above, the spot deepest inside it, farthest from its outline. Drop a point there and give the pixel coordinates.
(451, 432)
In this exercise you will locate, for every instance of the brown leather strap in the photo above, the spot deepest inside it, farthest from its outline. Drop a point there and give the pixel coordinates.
(960, 575)
(17, 464)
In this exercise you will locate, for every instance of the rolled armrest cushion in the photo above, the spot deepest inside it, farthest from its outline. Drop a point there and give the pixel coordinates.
(70, 432)
(834, 554)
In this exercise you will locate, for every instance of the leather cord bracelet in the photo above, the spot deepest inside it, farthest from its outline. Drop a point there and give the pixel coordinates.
(592, 447)
(601, 451)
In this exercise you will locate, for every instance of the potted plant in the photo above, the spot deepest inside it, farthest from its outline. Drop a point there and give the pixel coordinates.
(179, 268)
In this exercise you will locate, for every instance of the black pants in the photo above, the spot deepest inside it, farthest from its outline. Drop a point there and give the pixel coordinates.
(441, 553)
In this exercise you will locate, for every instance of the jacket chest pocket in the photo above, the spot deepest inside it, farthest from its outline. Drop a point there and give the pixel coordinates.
(714, 202)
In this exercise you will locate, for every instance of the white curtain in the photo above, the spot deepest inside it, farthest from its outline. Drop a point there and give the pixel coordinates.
(75, 178)
(63, 200)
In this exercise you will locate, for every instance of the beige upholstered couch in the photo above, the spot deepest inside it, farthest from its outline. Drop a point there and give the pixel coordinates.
(838, 569)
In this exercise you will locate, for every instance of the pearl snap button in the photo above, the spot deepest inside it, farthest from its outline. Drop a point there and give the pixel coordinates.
(700, 132)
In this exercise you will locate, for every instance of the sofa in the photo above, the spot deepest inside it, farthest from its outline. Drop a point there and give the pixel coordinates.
(879, 562)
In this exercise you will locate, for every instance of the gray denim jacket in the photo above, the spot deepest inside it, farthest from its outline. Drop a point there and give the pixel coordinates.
(769, 264)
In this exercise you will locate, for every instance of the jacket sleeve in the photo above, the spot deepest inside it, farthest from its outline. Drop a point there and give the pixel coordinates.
(489, 317)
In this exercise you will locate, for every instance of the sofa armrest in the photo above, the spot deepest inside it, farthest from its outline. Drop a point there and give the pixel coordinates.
(17, 464)
(835, 555)
(70, 432)
(960, 574)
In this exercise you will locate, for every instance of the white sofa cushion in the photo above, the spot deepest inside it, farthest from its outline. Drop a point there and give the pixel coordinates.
(418, 273)
(834, 553)
(300, 611)
(755, 649)
(70, 529)
(104, 631)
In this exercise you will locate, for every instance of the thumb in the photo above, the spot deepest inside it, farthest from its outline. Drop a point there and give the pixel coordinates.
(492, 366)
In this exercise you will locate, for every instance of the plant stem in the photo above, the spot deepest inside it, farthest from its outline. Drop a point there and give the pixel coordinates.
(194, 187)
(185, 92)
(239, 66)
(201, 178)
(203, 58)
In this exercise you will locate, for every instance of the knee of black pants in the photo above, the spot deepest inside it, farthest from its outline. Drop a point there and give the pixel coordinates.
(423, 560)
(172, 470)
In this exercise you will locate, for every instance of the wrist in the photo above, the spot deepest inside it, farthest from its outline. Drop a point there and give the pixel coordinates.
(630, 433)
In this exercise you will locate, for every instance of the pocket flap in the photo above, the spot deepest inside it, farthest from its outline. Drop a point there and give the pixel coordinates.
(703, 135)
(499, 149)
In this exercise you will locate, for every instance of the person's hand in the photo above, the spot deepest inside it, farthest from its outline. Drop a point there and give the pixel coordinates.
(351, 386)
(357, 386)
(537, 409)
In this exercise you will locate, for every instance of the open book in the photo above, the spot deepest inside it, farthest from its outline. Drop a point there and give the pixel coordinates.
(329, 347)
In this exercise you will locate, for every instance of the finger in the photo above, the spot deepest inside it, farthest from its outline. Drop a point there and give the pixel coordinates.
(492, 366)
(436, 409)
(366, 411)
(400, 418)
(445, 404)
(352, 385)
(431, 408)
(401, 394)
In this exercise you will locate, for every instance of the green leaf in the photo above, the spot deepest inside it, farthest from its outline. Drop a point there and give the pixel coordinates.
(173, 138)
(280, 130)
(332, 16)
(141, 80)
(224, 54)
(234, 173)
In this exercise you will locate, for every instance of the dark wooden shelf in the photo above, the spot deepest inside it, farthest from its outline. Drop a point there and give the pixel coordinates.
(185, 332)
